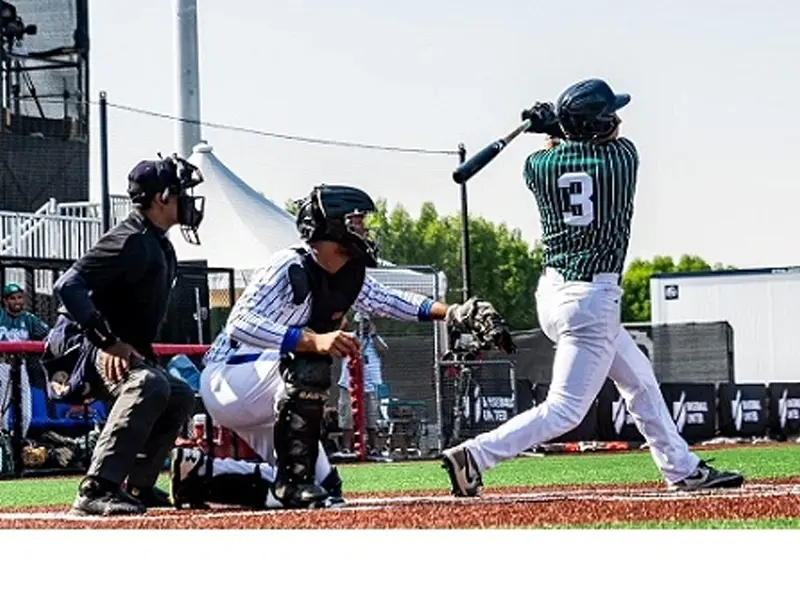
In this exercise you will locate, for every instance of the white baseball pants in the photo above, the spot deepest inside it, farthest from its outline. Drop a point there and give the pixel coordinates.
(243, 397)
(583, 319)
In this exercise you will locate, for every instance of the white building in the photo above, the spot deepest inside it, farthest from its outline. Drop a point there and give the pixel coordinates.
(761, 305)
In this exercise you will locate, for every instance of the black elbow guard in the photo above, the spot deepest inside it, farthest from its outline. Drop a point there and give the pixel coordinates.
(99, 333)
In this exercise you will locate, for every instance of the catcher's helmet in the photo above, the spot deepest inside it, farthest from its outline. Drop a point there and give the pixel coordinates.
(326, 214)
(587, 109)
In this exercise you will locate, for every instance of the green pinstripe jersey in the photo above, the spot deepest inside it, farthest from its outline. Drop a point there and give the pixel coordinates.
(584, 193)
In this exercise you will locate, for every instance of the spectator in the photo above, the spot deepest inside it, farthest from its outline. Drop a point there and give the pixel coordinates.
(373, 348)
(17, 324)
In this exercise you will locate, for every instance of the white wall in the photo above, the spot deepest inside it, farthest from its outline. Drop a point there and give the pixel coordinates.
(762, 308)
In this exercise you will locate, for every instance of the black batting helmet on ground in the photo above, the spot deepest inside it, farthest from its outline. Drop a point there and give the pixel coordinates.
(587, 110)
(326, 213)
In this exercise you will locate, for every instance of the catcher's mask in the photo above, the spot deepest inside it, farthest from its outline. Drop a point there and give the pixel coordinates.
(336, 213)
(171, 176)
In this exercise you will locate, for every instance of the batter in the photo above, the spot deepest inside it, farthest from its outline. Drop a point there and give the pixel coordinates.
(584, 182)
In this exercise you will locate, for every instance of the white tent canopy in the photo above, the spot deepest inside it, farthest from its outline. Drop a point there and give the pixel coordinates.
(242, 228)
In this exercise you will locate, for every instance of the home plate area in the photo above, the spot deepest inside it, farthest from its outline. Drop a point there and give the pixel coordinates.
(499, 508)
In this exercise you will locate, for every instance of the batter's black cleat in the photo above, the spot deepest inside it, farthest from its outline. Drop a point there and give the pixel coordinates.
(100, 498)
(333, 484)
(151, 497)
(186, 485)
(465, 477)
(707, 477)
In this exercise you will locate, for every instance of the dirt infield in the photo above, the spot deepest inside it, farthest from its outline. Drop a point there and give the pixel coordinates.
(499, 508)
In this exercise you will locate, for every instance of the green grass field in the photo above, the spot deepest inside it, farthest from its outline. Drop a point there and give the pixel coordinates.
(755, 462)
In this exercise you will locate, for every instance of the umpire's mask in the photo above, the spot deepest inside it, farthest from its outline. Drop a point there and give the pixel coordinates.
(191, 208)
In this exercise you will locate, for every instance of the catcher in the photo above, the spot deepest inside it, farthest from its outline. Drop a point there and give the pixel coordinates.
(268, 374)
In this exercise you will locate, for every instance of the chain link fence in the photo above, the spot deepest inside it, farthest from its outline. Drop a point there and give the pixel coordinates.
(406, 385)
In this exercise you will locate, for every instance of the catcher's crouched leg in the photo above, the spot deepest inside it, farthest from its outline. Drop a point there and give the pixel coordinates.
(191, 485)
(298, 432)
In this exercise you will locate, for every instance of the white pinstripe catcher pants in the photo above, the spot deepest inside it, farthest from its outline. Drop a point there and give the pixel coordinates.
(243, 398)
(583, 319)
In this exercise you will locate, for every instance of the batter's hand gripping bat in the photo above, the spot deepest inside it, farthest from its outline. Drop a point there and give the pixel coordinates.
(466, 170)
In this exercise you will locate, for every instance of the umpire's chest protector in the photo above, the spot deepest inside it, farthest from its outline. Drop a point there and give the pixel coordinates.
(332, 294)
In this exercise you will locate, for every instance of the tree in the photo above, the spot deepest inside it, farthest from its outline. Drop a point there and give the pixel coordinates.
(291, 207)
(636, 282)
(504, 268)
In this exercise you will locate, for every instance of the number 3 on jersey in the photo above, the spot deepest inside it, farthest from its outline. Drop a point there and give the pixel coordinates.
(582, 198)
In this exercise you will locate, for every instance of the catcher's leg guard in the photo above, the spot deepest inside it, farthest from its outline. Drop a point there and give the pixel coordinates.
(297, 434)
(298, 430)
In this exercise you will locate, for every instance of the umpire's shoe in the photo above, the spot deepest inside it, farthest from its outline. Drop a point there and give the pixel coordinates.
(98, 497)
(707, 477)
(186, 484)
(152, 497)
(465, 477)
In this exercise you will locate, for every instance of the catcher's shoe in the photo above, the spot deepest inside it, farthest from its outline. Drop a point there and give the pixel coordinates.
(706, 477)
(304, 495)
(101, 499)
(463, 471)
(333, 485)
(186, 485)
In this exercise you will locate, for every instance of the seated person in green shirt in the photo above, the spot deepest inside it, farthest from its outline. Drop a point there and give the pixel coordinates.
(16, 323)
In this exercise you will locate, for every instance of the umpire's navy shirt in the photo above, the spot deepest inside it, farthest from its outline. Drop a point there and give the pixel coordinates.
(129, 273)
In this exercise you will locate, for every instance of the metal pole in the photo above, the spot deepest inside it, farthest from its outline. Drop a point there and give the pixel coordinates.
(16, 402)
(198, 315)
(437, 371)
(104, 193)
(187, 76)
(465, 274)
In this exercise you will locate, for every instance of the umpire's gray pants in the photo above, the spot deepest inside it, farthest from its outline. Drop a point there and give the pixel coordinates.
(148, 408)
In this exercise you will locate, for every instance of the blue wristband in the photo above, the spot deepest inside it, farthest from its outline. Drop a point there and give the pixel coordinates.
(424, 312)
(290, 339)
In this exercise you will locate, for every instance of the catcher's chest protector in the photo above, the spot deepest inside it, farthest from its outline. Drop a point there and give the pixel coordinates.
(332, 295)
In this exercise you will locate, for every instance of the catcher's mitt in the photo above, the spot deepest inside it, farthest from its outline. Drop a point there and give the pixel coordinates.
(480, 319)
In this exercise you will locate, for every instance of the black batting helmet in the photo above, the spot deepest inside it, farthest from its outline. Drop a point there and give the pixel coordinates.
(587, 110)
(327, 214)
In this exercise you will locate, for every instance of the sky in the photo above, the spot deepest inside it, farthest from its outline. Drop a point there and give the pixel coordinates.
(714, 90)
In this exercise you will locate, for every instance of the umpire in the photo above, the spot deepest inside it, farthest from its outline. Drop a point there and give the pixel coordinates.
(114, 301)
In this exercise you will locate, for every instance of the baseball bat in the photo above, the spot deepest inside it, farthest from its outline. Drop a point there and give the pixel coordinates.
(468, 169)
